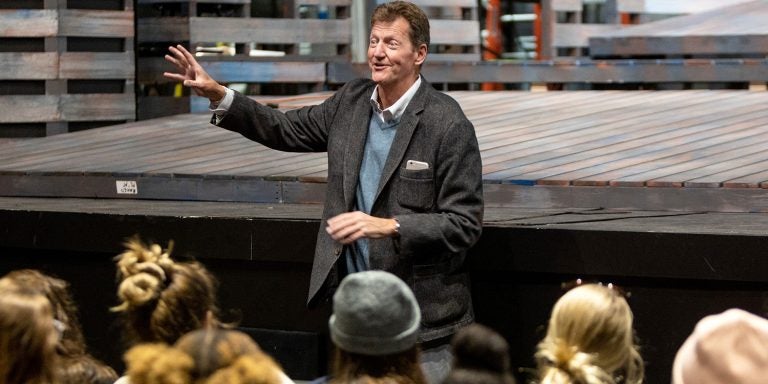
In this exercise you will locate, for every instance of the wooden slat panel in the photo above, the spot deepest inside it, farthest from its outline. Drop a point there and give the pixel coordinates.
(29, 109)
(597, 71)
(266, 72)
(162, 29)
(459, 32)
(29, 23)
(28, 65)
(330, 3)
(577, 35)
(96, 23)
(566, 5)
(94, 107)
(197, 1)
(630, 6)
(667, 7)
(97, 65)
(446, 3)
(271, 31)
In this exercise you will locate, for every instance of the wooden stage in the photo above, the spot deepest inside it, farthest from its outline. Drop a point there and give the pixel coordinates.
(642, 150)
(663, 193)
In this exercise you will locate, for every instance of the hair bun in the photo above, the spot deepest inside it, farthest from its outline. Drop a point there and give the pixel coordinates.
(144, 270)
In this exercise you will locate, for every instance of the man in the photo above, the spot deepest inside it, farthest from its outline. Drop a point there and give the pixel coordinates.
(404, 189)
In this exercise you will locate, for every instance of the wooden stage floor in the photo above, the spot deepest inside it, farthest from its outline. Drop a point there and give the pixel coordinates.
(696, 150)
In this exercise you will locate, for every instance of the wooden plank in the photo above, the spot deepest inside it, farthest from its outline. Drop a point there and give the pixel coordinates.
(29, 22)
(630, 6)
(667, 7)
(330, 3)
(741, 45)
(162, 29)
(565, 5)
(28, 65)
(149, 107)
(94, 107)
(266, 72)
(715, 175)
(97, 65)
(187, 1)
(577, 71)
(446, 3)
(95, 23)
(577, 35)
(696, 163)
(459, 32)
(29, 109)
(615, 172)
(269, 31)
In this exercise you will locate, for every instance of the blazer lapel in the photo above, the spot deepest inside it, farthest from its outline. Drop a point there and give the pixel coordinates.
(403, 136)
(353, 155)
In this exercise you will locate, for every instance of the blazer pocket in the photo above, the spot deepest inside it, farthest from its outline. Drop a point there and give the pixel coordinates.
(444, 299)
(416, 189)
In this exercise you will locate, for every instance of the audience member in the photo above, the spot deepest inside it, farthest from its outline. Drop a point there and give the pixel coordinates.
(204, 356)
(590, 339)
(28, 336)
(374, 327)
(730, 347)
(74, 364)
(161, 299)
(481, 356)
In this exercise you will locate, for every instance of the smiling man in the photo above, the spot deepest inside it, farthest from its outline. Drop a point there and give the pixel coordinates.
(404, 190)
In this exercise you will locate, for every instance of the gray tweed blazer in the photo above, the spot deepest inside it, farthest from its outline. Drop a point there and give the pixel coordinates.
(440, 209)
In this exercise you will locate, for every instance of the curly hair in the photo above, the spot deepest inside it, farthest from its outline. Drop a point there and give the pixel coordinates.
(162, 299)
(206, 356)
(590, 340)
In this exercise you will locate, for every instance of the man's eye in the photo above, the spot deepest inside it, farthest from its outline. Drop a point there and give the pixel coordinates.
(373, 42)
(392, 45)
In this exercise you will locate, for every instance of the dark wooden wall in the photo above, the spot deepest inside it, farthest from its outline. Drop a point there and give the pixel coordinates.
(675, 277)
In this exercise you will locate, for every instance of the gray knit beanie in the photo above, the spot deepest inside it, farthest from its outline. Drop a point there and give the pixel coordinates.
(374, 313)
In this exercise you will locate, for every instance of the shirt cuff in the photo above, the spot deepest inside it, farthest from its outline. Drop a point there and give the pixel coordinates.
(223, 106)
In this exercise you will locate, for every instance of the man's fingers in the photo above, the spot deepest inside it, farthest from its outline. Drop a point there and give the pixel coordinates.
(175, 76)
(190, 59)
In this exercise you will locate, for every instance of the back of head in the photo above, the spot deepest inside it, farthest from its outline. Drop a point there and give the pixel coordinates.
(590, 339)
(203, 356)
(388, 12)
(84, 369)
(72, 342)
(730, 347)
(162, 299)
(375, 326)
(27, 336)
(481, 356)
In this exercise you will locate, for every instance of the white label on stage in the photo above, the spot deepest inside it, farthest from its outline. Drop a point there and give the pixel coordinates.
(127, 187)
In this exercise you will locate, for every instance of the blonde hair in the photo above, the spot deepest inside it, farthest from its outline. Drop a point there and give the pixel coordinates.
(206, 356)
(160, 298)
(590, 340)
(28, 337)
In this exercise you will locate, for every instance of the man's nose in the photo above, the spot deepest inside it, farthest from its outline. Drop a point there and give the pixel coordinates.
(378, 49)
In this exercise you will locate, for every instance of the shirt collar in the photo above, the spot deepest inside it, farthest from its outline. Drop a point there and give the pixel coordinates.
(396, 110)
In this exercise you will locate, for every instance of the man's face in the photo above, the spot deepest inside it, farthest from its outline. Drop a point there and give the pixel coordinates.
(392, 57)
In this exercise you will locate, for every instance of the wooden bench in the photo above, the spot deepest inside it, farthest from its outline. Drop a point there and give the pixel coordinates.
(65, 69)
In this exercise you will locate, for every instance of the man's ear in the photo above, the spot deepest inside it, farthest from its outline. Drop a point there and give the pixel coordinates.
(421, 54)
